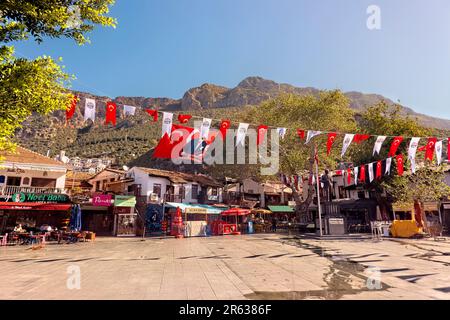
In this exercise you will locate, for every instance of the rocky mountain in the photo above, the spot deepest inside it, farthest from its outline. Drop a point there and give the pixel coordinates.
(127, 141)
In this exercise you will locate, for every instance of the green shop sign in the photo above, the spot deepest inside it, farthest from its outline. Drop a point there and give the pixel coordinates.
(40, 197)
(124, 201)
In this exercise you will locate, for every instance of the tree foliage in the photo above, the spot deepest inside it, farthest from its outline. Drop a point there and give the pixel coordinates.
(40, 85)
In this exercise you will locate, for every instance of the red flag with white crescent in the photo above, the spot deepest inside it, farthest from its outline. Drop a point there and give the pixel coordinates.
(362, 173)
(360, 138)
(378, 171)
(429, 151)
(349, 176)
(184, 118)
(224, 126)
(331, 138)
(394, 146)
(153, 113)
(400, 165)
(70, 111)
(262, 131)
(301, 133)
(111, 108)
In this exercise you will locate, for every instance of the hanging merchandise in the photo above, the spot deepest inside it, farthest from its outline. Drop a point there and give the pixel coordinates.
(370, 167)
(153, 113)
(129, 110)
(394, 146)
(301, 134)
(438, 149)
(167, 123)
(184, 118)
(400, 165)
(378, 144)
(378, 171)
(387, 171)
(241, 133)
(262, 131)
(362, 173)
(429, 151)
(89, 109)
(281, 132)
(70, 111)
(347, 141)
(311, 134)
(111, 108)
(356, 170)
(224, 126)
(330, 141)
(360, 138)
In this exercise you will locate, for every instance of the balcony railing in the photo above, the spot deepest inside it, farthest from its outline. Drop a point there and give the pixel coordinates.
(10, 190)
(173, 198)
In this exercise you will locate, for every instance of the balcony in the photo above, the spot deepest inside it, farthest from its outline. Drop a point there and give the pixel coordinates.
(10, 190)
(173, 198)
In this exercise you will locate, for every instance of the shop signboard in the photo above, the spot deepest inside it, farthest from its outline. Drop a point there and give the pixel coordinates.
(124, 201)
(102, 200)
(195, 210)
(40, 197)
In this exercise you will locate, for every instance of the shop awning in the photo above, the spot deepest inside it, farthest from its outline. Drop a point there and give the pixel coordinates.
(281, 209)
(236, 212)
(195, 208)
(34, 206)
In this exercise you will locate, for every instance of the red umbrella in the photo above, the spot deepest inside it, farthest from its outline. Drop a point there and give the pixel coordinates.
(235, 212)
(177, 224)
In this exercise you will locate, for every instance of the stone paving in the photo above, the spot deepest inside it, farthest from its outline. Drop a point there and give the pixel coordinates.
(230, 267)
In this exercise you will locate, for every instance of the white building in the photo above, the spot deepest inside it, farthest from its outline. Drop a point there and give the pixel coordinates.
(26, 171)
(170, 186)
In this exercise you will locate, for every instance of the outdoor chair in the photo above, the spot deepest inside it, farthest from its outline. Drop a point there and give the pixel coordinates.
(377, 231)
(4, 240)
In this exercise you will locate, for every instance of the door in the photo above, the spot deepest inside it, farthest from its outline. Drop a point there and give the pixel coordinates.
(126, 224)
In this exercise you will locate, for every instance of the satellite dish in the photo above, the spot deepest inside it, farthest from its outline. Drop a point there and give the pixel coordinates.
(125, 168)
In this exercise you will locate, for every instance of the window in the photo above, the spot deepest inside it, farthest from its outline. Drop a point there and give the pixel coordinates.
(97, 185)
(43, 183)
(194, 191)
(2, 179)
(214, 191)
(157, 189)
(26, 181)
(111, 180)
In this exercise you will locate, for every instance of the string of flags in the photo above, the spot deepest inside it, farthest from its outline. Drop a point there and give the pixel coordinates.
(434, 146)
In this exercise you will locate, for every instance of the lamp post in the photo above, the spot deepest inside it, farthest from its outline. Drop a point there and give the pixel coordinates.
(319, 209)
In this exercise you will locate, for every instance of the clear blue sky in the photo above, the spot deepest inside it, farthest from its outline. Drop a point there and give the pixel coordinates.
(161, 48)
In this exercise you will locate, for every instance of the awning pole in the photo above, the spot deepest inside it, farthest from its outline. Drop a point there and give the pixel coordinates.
(319, 209)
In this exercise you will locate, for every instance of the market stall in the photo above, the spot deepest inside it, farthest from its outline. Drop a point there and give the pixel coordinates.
(262, 220)
(233, 221)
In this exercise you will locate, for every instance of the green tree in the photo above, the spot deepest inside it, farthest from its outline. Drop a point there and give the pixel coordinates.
(328, 111)
(40, 85)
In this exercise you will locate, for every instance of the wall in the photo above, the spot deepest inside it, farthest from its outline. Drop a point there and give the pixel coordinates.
(60, 177)
(104, 175)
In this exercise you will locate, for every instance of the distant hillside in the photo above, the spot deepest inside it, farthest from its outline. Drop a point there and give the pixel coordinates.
(129, 141)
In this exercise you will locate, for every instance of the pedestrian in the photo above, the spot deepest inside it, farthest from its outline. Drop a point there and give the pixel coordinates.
(274, 224)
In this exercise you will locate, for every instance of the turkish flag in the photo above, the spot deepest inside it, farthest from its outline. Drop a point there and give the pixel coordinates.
(378, 171)
(224, 126)
(153, 113)
(400, 166)
(331, 138)
(362, 173)
(360, 138)
(111, 108)
(394, 146)
(184, 118)
(429, 151)
(349, 176)
(172, 147)
(70, 111)
(301, 133)
(262, 130)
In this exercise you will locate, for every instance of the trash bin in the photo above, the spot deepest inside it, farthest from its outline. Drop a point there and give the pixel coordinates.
(336, 226)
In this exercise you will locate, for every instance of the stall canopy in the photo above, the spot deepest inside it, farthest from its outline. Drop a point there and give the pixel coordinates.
(195, 208)
(236, 212)
(281, 209)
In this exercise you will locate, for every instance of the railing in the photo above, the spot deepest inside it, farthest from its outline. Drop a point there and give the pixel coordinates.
(10, 190)
(173, 198)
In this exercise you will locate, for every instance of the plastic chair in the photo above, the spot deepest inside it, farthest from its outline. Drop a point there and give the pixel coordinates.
(4, 240)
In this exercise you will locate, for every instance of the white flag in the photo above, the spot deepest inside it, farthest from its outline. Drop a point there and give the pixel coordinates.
(89, 109)
(438, 149)
(129, 110)
(356, 170)
(413, 165)
(347, 141)
(167, 123)
(311, 134)
(370, 171)
(413, 148)
(281, 132)
(388, 166)
(241, 133)
(378, 144)
(204, 130)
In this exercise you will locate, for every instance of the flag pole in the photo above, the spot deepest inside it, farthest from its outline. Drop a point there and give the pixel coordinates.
(319, 209)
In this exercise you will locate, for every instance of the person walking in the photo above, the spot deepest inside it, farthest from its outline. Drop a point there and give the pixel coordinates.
(274, 224)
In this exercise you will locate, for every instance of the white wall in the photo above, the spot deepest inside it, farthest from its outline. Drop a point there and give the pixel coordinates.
(60, 177)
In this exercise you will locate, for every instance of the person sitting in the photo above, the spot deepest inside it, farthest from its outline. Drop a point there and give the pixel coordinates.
(19, 228)
(45, 228)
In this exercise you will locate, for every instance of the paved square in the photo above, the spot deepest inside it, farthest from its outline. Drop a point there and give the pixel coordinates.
(230, 267)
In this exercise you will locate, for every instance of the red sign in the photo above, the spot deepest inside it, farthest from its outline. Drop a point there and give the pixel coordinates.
(102, 200)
